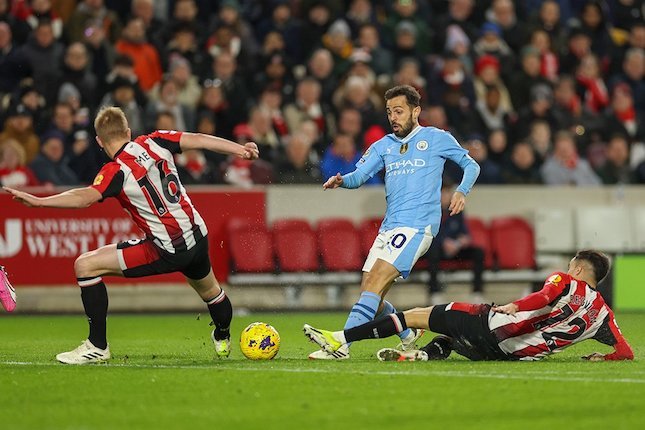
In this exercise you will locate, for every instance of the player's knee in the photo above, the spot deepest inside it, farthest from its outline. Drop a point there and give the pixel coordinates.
(418, 317)
(83, 265)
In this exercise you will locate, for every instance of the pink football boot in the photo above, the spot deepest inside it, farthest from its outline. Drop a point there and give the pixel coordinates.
(7, 293)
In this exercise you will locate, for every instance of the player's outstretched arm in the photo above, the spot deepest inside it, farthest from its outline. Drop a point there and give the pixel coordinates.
(74, 198)
(248, 151)
(333, 182)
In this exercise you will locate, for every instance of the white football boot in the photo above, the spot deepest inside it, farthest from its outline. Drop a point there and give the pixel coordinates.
(7, 292)
(409, 343)
(222, 347)
(391, 354)
(340, 354)
(86, 353)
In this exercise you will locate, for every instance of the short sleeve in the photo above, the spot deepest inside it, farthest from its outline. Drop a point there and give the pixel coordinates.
(109, 181)
(167, 139)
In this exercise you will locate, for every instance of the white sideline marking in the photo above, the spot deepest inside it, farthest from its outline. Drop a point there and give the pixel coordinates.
(538, 376)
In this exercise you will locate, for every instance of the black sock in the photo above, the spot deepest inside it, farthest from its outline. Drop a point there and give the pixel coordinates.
(95, 302)
(222, 313)
(438, 348)
(386, 326)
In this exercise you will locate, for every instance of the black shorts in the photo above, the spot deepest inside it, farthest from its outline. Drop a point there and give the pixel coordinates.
(467, 325)
(141, 257)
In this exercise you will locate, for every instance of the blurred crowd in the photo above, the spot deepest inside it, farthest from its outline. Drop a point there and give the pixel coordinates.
(538, 91)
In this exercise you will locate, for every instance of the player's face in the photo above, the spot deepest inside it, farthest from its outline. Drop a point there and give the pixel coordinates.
(401, 116)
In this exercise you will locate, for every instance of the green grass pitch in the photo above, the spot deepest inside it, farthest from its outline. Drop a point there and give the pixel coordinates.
(163, 376)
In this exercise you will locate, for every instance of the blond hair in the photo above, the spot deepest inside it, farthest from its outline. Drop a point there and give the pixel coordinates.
(12, 144)
(111, 124)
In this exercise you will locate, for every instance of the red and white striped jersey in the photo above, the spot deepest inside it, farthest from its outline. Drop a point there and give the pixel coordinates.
(143, 178)
(564, 312)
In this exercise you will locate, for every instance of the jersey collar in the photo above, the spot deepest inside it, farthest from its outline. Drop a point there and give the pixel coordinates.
(410, 135)
(116, 154)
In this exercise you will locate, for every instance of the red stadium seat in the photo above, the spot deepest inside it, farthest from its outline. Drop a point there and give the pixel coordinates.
(368, 230)
(339, 244)
(481, 237)
(513, 243)
(295, 246)
(251, 246)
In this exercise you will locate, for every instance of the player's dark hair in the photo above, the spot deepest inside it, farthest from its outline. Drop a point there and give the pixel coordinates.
(598, 260)
(412, 96)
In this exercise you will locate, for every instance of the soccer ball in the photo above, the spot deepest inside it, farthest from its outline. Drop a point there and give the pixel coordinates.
(259, 341)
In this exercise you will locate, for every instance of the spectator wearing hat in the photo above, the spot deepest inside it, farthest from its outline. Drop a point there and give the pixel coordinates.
(122, 94)
(490, 42)
(295, 165)
(406, 42)
(92, 14)
(408, 11)
(381, 59)
(520, 83)
(338, 40)
(19, 127)
(565, 167)
(77, 72)
(522, 166)
(539, 109)
(44, 54)
(14, 172)
(487, 75)
(14, 65)
(50, 165)
(622, 117)
(145, 58)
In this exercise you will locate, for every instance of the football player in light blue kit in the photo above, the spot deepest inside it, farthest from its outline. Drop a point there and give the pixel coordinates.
(413, 158)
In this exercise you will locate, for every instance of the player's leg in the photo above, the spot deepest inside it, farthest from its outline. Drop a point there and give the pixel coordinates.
(199, 275)
(7, 292)
(89, 269)
(220, 309)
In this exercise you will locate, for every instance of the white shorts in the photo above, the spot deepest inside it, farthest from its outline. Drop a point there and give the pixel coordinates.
(401, 247)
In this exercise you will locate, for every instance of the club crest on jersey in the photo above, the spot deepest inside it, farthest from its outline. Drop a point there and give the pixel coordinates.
(555, 279)
(422, 145)
(403, 149)
(98, 180)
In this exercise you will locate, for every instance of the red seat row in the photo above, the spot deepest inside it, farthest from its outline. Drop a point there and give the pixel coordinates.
(337, 245)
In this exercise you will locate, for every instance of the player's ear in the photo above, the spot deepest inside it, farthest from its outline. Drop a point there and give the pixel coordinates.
(98, 140)
(416, 112)
(129, 134)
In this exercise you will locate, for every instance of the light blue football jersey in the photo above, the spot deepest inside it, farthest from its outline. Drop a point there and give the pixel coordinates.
(413, 172)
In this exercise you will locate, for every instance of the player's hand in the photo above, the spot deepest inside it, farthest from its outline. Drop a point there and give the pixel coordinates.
(457, 203)
(333, 182)
(509, 309)
(24, 198)
(596, 356)
(251, 151)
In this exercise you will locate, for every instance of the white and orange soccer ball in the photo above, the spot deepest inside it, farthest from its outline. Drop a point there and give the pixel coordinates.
(259, 341)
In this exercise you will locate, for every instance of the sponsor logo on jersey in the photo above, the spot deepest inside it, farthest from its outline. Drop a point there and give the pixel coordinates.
(555, 279)
(422, 145)
(98, 180)
(403, 149)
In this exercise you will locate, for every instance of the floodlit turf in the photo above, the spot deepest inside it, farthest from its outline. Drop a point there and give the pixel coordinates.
(163, 376)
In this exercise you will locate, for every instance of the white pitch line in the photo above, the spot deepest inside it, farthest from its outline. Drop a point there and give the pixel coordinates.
(439, 373)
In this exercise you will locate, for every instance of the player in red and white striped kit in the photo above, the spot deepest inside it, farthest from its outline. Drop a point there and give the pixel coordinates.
(567, 310)
(143, 177)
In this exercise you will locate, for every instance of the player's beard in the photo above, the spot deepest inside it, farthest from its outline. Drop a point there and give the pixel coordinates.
(405, 129)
